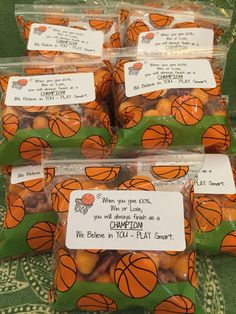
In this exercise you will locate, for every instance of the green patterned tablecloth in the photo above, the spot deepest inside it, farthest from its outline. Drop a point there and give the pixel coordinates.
(24, 282)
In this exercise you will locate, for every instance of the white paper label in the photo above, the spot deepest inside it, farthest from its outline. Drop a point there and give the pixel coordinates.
(176, 41)
(26, 173)
(133, 220)
(216, 176)
(49, 90)
(152, 75)
(67, 39)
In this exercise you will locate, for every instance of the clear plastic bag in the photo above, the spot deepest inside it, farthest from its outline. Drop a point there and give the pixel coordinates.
(89, 279)
(157, 103)
(29, 223)
(86, 18)
(74, 121)
(215, 220)
(136, 18)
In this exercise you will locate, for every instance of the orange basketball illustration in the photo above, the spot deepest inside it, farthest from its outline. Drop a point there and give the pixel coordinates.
(56, 20)
(137, 183)
(101, 25)
(123, 15)
(176, 304)
(35, 185)
(228, 244)
(150, 36)
(186, 25)
(88, 199)
(136, 275)
(66, 271)
(96, 302)
(22, 82)
(192, 277)
(102, 79)
(10, 125)
(96, 251)
(20, 20)
(4, 82)
(65, 123)
(15, 213)
(187, 110)
(93, 105)
(48, 54)
(135, 29)
(26, 31)
(118, 71)
(218, 136)
(94, 147)
(154, 95)
(40, 236)
(187, 230)
(102, 173)
(208, 213)
(49, 174)
(159, 20)
(38, 71)
(130, 116)
(34, 148)
(137, 65)
(33, 109)
(42, 28)
(169, 172)
(215, 91)
(157, 136)
(60, 194)
(115, 40)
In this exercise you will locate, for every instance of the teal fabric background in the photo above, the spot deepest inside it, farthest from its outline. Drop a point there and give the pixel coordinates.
(11, 45)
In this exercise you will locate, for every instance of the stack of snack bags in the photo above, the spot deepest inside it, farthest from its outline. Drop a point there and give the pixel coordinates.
(115, 97)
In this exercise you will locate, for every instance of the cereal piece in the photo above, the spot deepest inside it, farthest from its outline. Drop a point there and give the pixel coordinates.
(40, 123)
(86, 262)
(200, 94)
(166, 261)
(180, 267)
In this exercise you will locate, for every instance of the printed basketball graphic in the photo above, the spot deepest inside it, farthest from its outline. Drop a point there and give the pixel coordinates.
(102, 173)
(102, 80)
(20, 20)
(228, 244)
(34, 148)
(93, 105)
(49, 174)
(96, 251)
(123, 15)
(187, 229)
(33, 109)
(65, 123)
(192, 277)
(66, 271)
(115, 40)
(10, 125)
(101, 25)
(38, 71)
(130, 116)
(96, 302)
(208, 213)
(118, 71)
(216, 135)
(159, 20)
(186, 25)
(107, 123)
(154, 95)
(169, 172)
(215, 91)
(4, 82)
(56, 21)
(88, 199)
(157, 136)
(187, 110)
(15, 213)
(135, 275)
(135, 29)
(137, 183)
(26, 31)
(40, 236)
(94, 147)
(60, 194)
(35, 185)
(175, 304)
(42, 28)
